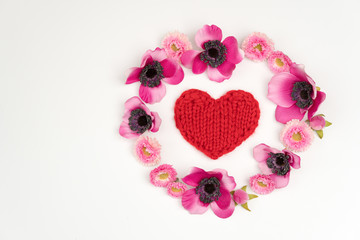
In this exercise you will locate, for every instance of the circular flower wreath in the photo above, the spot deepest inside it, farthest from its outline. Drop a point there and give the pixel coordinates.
(291, 89)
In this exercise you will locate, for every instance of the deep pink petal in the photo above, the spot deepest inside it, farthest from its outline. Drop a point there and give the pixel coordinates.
(284, 115)
(197, 170)
(226, 68)
(156, 122)
(227, 181)
(177, 77)
(299, 71)
(280, 88)
(198, 65)
(264, 168)
(240, 196)
(232, 48)
(191, 202)
(224, 200)
(146, 59)
(133, 75)
(134, 103)
(169, 67)
(294, 159)
(318, 100)
(223, 213)
(193, 179)
(215, 75)
(280, 181)
(152, 95)
(187, 59)
(207, 33)
(261, 152)
(126, 132)
(158, 54)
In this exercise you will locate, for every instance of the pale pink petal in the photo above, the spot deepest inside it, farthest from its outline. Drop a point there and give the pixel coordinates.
(284, 115)
(215, 75)
(261, 152)
(207, 33)
(223, 213)
(193, 179)
(240, 196)
(152, 95)
(294, 159)
(197, 170)
(233, 54)
(126, 132)
(176, 78)
(134, 103)
(280, 181)
(280, 88)
(191, 202)
(187, 59)
(198, 65)
(146, 59)
(318, 100)
(134, 75)
(227, 181)
(158, 54)
(226, 68)
(264, 168)
(169, 67)
(224, 200)
(156, 121)
(317, 122)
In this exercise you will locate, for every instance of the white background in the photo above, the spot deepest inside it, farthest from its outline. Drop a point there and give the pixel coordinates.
(66, 173)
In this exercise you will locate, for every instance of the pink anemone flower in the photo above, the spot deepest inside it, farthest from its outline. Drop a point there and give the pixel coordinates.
(138, 119)
(155, 67)
(295, 93)
(211, 189)
(218, 58)
(276, 163)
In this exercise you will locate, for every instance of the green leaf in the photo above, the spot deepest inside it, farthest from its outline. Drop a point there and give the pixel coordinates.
(246, 206)
(320, 133)
(232, 192)
(244, 188)
(327, 123)
(252, 196)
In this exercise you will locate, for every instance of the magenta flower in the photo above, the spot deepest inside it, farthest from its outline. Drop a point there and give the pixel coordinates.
(297, 135)
(163, 175)
(257, 46)
(262, 184)
(317, 122)
(175, 44)
(295, 94)
(176, 189)
(155, 67)
(147, 150)
(279, 62)
(276, 163)
(211, 189)
(138, 119)
(218, 58)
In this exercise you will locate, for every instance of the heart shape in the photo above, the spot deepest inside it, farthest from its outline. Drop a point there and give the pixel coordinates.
(216, 126)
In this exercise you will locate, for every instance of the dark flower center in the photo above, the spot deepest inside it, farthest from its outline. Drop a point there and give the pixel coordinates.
(214, 54)
(209, 190)
(139, 121)
(301, 93)
(151, 75)
(278, 163)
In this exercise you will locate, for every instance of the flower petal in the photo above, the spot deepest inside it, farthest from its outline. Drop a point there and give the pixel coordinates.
(223, 213)
(158, 54)
(126, 132)
(187, 59)
(224, 199)
(193, 179)
(261, 152)
(191, 202)
(198, 65)
(134, 103)
(197, 170)
(152, 95)
(280, 88)
(215, 75)
(207, 33)
(227, 181)
(233, 54)
(177, 77)
(264, 168)
(299, 71)
(156, 121)
(169, 67)
(284, 115)
(280, 181)
(133, 75)
(318, 100)
(240, 196)
(146, 59)
(226, 68)
(294, 159)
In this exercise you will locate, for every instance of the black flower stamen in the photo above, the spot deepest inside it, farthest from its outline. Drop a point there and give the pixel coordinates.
(214, 54)
(278, 163)
(139, 121)
(151, 75)
(209, 190)
(301, 93)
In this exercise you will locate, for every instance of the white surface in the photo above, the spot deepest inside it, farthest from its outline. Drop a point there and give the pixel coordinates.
(65, 173)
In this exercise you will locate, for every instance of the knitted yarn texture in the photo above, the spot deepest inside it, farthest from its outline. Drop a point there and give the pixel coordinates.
(216, 126)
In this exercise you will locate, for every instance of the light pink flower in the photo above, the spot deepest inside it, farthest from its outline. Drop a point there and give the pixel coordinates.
(176, 189)
(262, 184)
(147, 150)
(317, 122)
(240, 196)
(138, 119)
(211, 189)
(163, 175)
(155, 68)
(279, 62)
(297, 135)
(257, 46)
(175, 44)
(218, 58)
(295, 94)
(276, 163)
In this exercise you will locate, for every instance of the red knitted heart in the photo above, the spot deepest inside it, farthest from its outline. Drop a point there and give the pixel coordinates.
(216, 127)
